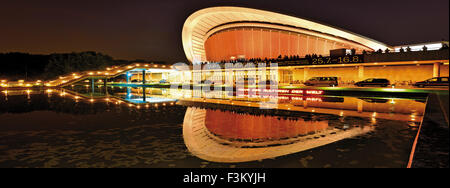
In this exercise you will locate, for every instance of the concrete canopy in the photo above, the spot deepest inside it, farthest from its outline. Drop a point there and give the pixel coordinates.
(201, 24)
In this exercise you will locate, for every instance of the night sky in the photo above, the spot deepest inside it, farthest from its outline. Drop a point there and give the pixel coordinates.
(151, 30)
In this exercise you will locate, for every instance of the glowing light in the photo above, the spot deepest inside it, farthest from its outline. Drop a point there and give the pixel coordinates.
(91, 73)
(49, 91)
(374, 114)
(92, 100)
(392, 101)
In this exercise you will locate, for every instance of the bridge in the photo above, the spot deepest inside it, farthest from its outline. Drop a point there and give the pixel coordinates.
(110, 72)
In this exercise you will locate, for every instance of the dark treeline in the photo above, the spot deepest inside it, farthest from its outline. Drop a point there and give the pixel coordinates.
(14, 66)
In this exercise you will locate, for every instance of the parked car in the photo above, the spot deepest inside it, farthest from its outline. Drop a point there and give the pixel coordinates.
(373, 82)
(327, 81)
(433, 82)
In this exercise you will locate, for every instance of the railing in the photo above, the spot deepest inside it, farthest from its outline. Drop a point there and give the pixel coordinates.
(110, 72)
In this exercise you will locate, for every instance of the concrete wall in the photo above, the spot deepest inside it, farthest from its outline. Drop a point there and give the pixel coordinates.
(345, 74)
(444, 70)
(393, 73)
(400, 73)
(253, 42)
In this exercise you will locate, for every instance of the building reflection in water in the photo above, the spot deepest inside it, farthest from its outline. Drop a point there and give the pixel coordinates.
(222, 128)
(228, 137)
(245, 127)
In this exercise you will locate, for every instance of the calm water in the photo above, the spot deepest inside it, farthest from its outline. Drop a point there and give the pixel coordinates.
(133, 127)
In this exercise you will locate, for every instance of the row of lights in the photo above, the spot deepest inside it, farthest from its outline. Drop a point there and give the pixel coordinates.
(76, 76)
(63, 93)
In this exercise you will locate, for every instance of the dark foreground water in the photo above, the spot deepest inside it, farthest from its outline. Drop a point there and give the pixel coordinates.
(59, 129)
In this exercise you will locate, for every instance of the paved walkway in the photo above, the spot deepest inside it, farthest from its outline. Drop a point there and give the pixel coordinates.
(432, 144)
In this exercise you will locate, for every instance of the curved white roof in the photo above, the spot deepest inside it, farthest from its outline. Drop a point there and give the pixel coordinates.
(198, 26)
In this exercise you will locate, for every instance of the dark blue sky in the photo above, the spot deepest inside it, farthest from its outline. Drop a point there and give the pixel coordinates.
(151, 30)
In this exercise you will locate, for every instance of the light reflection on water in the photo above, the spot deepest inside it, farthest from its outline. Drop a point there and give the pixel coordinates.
(136, 127)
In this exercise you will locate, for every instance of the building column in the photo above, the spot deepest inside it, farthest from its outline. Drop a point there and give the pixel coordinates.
(360, 73)
(93, 85)
(144, 97)
(128, 93)
(143, 77)
(360, 106)
(105, 86)
(436, 69)
(305, 73)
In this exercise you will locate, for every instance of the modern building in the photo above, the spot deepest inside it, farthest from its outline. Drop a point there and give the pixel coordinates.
(228, 33)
